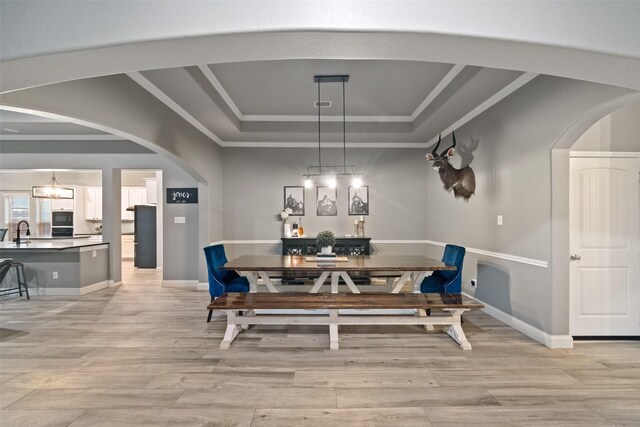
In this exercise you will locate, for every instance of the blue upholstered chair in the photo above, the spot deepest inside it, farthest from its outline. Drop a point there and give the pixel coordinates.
(446, 281)
(220, 279)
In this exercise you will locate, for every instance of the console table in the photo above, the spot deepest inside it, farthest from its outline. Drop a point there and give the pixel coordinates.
(343, 246)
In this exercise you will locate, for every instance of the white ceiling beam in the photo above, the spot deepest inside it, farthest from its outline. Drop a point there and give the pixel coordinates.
(448, 78)
(73, 137)
(213, 80)
(169, 102)
(484, 106)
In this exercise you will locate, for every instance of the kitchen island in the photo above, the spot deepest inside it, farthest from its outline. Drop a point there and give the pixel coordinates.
(62, 266)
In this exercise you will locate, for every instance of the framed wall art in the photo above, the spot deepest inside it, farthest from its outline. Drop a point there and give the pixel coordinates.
(326, 201)
(294, 199)
(359, 200)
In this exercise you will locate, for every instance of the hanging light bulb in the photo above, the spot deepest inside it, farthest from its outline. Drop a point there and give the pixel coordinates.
(308, 183)
(356, 182)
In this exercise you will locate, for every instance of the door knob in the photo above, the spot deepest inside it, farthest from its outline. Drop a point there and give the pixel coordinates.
(575, 257)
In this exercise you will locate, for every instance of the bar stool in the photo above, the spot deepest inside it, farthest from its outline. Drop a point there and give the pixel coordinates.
(6, 265)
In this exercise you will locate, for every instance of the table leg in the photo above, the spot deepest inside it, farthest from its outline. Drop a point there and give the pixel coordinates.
(267, 281)
(333, 330)
(423, 313)
(352, 286)
(335, 278)
(252, 277)
(319, 282)
(401, 281)
(455, 330)
(417, 277)
(232, 330)
(389, 284)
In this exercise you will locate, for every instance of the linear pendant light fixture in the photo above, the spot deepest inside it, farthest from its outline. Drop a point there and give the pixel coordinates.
(329, 173)
(53, 190)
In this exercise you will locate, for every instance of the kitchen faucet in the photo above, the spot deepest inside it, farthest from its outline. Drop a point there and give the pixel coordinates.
(17, 239)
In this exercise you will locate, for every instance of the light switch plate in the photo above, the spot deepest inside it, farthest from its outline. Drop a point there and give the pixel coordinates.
(179, 219)
(55, 274)
(499, 219)
(94, 254)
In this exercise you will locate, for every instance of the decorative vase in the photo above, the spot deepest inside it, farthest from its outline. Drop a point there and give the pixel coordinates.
(326, 250)
(287, 230)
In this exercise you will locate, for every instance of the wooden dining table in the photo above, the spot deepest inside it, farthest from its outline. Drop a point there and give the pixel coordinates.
(396, 269)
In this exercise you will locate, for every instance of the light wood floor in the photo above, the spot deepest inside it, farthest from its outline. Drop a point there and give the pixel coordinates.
(139, 355)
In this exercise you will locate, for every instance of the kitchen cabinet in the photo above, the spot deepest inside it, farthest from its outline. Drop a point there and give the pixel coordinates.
(93, 203)
(62, 204)
(131, 196)
(127, 246)
(152, 190)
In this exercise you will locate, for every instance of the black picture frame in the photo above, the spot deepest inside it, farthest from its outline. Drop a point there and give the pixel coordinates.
(360, 206)
(294, 199)
(328, 206)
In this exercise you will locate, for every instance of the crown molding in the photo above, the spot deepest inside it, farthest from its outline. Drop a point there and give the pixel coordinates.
(490, 102)
(257, 144)
(169, 102)
(74, 137)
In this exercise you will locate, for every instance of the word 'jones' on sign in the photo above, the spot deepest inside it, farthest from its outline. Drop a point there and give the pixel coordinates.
(182, 195)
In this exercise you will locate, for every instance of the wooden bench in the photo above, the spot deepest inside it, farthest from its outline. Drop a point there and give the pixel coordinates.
(453, 305)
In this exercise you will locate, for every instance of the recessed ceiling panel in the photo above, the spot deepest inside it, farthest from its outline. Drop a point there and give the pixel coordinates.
(375, 88)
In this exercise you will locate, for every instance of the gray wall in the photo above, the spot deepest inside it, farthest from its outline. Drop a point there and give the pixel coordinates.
(180, 255)
(253, 192)
(618, 131)
(512, 163)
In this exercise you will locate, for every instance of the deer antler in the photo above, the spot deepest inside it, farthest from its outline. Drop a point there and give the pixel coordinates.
(453, 146)
(435, 149)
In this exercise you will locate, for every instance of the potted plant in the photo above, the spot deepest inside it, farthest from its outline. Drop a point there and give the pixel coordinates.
(283, 217)
(325, 241)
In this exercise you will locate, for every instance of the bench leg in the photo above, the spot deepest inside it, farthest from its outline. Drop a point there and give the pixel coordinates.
(455, 330)
(333, 330)
(247, 313)
(318, 284)
(232, 331)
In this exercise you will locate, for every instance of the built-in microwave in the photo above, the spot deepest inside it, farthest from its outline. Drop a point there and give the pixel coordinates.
(61, 219)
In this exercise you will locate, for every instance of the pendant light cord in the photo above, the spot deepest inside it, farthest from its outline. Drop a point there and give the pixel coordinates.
(319, 152)
(344, 132)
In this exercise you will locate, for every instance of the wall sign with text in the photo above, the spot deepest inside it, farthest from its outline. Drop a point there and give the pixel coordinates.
(182, 195)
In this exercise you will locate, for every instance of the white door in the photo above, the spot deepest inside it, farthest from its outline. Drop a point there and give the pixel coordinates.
(605, 253)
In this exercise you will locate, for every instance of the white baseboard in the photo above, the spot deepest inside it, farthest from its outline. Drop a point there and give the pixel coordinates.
(75, 291)
(202, 286)
(551, 341)
(113, 284)
(181, 284)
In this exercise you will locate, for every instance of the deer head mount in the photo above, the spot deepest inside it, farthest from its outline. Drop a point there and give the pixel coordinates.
(461, 181)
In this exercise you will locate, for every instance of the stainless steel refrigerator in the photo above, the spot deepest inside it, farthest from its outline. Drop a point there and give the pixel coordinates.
(144, 238)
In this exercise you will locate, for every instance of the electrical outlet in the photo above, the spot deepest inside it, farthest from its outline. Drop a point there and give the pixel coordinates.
(499, 219)
(179, 220)
(55, 274)
(474, 283)
(94, 254)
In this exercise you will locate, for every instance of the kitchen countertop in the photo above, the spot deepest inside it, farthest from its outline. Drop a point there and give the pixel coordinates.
(52, 244)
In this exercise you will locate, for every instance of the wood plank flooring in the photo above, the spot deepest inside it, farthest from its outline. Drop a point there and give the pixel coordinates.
(140, 355)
